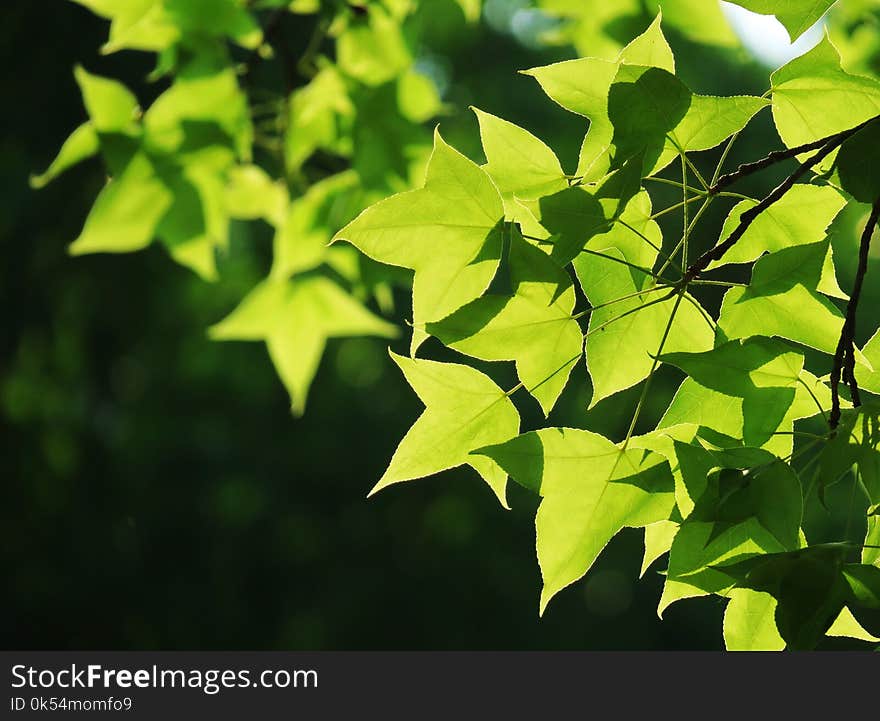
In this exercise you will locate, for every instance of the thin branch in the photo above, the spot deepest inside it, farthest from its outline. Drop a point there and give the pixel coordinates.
(721, 283)
(844, 357)
(748, 217)
(778, 156)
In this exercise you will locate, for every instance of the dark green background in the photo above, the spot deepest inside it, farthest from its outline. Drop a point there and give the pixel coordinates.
(157, 492)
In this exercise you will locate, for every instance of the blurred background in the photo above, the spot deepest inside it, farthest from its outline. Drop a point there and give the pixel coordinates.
(157, 492)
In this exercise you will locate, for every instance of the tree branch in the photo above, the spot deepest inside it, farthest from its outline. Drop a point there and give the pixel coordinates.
(845, 357)
(777, 156)
(747, 218)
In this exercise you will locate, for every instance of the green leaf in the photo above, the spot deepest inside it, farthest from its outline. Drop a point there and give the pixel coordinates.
(136, 25)
(252, 194)
(217, 18)
(624, 335)
(782, 300)
(800, 217)
(533, 327)
(710, 120)
(644, 106)
(448, 232)
(808, 585)
(83, 143)
(127, 211)
(665, 442)
(864, 584)
(797, 16)
(658, 540)
(591, 490)
(197, 223)
(521, 165)
(871, 551)
(464, 410)
(746, 502)
(584, 86)
(295, 319)
(374, 51)
(650, 49)
(762, 371)
(749, 622)
(723, 414)
(858, 164)
(205, 105)
(319, 113)
(301, 239)
(570, 218)
(847, 626)
(868, 365)
(813, 97)
(112, 108)
(855, 443)
(620, 352)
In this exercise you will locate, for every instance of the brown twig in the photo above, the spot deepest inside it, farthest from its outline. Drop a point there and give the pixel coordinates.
(845, 358)
(748, 217)
(777, 156)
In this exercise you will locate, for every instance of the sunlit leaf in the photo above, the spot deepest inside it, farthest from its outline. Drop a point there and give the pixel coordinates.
(749, 622)
(464, 411)
(813, 97)
(448, 232)
(591, 490)
(533, 327)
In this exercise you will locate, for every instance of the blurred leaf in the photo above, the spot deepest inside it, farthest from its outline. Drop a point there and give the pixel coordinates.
(83, 143)
(127, 212)
(295, 318)
(111, 106)
(252, 194)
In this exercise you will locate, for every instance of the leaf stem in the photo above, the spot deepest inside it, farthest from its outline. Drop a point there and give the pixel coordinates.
(654, 365)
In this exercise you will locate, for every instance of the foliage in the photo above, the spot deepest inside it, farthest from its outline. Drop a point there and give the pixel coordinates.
(517, 260)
